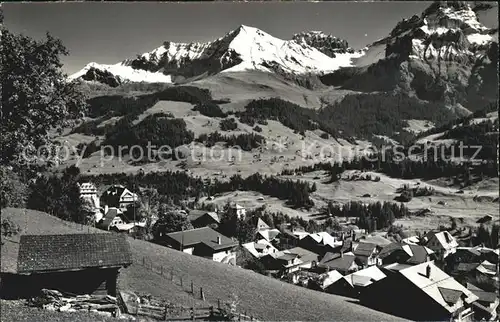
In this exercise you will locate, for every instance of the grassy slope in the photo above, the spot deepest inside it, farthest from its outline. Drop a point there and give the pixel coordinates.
(261, 296)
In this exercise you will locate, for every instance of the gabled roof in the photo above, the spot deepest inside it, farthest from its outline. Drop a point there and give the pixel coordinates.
(488, 297)
(328, 278)
(112, 213)
(257, 248)
(45, 253)
(377, 240)
(437, 279)
(450, 296)
(365, 276)
(204, 235)
(261, 225)
(418, 254)
(269, 234)
(340, 263)
(445, 239)
(365, 249)
(466, 267)
(196, 214)
(304, 254)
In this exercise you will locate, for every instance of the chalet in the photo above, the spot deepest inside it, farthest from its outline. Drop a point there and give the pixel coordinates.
(366, 253)
(319, 243)
(378, 240)
(485, 308)
(420, 292)
(324, 280)
(112, 217)
(263, 231)
(88, 192)
(289, 261)
(291, 236)
(442, 243)
(344, 263)
(260, 248)
(405, 253)
(74, 263)
(237, 210)
(118, 196)
(351, 285)
(202, 218)
(203, 242)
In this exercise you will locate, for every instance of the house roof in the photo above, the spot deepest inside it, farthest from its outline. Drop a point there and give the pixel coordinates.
(450, 296)
(112, 213)
(205, 235)
(377, 240)
(435, 283)
(365, 249)
(261, 225)
(43, 253)
(329, 278)
(445, 239)
(287, 256)
(489, 297)
(487, 268)
(269, 234)
(466, 267)
(304, 254)
(365, 276)
(196, 214)
(417, 253)
(256, 248)
(340, 263)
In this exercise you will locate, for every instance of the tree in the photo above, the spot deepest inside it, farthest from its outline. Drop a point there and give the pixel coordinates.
(58, 195)
(36, 96)
(9, 228)
(13, 191)
(169, 222)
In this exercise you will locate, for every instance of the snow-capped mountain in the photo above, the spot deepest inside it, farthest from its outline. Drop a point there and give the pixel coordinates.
(245, 48)
(436, 56)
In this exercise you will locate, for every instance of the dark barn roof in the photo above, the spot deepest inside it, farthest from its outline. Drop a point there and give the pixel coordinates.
(45, 253)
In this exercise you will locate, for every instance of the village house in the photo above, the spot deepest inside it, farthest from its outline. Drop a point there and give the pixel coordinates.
(344, 263)
(289, 261)
(420, 292)
(442, 243)
(88, 192)
(290, 237)
(485, 308)
(203, 242)
(319, 243)
(260, 248)
(118, 196)
(74, 263)
(263, 231)
(405, 254)
(237, 210)
(366, 253)
(351, 285)
(202, 218)
(324, 280)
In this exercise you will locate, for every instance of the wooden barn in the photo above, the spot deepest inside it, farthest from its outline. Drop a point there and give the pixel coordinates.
(75, 264)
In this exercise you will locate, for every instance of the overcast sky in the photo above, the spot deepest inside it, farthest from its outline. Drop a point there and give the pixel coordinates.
(110, 32)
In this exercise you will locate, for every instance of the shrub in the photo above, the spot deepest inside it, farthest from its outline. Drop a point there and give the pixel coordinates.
(228, 124)
(257, 129)
(209, 109)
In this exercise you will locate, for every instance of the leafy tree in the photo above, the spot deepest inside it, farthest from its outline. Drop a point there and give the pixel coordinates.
(13, 191)
(35, 94)
(59, 195)
(169, 222)
(9, 228)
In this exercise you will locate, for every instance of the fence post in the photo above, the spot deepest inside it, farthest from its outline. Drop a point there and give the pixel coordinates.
(218, 304)
(143, 261)
(181, 280)
(202, 295)
(192, 288)
(166, 311)
(192, 316)
(161, 270)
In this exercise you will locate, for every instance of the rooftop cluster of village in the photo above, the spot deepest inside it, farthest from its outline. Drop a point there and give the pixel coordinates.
(452, 281)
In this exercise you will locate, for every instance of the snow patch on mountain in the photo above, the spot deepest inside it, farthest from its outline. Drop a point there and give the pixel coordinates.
(125, 73)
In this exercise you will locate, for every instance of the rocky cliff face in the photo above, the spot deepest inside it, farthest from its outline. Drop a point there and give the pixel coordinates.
(327, 44)
(436, 56)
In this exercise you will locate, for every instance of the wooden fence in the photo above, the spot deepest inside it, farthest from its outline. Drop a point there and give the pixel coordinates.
(196, 291)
